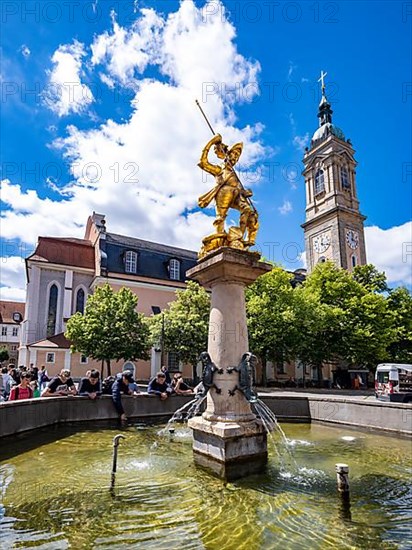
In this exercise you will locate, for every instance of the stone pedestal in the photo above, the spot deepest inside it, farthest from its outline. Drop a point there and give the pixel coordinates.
(228, 439)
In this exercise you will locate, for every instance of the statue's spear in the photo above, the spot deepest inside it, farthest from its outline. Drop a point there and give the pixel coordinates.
(227, 158)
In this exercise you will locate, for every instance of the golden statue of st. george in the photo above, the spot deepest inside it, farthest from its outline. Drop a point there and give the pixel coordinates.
(227, 193)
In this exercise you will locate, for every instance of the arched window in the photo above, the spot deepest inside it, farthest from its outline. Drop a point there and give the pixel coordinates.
(80, 301)
(52, 310)
(130, 261)
(174, 269)
(354, 261)
(129, 367)
(319, 182)
(344, 178)
(322, 260)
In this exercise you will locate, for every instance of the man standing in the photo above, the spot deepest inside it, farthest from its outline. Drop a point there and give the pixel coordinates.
(121, 385)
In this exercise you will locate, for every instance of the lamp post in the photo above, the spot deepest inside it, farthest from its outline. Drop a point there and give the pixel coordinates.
(162, 341)
(157, 311)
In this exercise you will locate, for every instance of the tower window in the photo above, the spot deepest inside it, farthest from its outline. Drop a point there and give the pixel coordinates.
(322, 260)
(52, 310)
(174, 269)
(354, 260)
(319, 182)
(344, 178)
(130, 262)
(80, 301)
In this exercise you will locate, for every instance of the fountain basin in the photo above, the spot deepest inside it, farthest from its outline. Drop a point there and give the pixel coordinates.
(55, 492)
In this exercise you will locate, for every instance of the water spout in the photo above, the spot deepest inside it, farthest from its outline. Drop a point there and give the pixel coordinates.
(116, 442)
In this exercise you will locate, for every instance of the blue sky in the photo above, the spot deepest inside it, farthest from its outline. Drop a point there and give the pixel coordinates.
(98, 114)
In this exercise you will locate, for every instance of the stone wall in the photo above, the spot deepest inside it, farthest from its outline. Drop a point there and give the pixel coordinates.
(20, 416)
(358, 413)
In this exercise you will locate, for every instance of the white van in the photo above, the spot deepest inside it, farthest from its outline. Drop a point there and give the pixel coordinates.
(393, 382)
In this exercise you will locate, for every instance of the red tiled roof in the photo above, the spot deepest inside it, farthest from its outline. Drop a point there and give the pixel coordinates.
(8, 308)
(56, 341)
(64, 251)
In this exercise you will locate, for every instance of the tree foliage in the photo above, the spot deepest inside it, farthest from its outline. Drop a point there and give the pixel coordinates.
(110, 327)
(333, 316)
(273, 316)
(4, 354)
(400, 305)
(370, 278)
(363, 326)
(185, 324)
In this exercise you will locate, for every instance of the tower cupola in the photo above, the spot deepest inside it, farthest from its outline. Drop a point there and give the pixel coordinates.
(325, 118)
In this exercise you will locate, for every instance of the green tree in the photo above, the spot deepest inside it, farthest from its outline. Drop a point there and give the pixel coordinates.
(110, 328)
(363, 328)
(400, 305)
(274, 317)
(370, 278)
(185, 325)
(4, 355)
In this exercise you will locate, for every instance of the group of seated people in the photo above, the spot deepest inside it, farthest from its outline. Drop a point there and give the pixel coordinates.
(90, 386)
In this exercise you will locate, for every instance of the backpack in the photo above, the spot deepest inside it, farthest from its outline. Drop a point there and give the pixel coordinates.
(107, 385)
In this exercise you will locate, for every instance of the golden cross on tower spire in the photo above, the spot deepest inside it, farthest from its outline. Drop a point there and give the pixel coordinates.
(322, 79)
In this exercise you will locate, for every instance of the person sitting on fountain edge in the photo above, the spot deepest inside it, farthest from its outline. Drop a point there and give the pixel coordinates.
(179, 387)
(159, 386)
(90, 385)
(121, 385)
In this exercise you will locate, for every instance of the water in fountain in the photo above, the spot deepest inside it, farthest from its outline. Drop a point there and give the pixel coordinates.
(183, 415)
(163, 501)
(271, 424)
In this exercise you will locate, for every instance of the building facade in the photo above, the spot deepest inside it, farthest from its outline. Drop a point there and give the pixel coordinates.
(334, 225)
(63, 272)
(11, 316)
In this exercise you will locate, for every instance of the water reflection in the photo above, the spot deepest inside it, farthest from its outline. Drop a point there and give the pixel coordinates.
(56, 495)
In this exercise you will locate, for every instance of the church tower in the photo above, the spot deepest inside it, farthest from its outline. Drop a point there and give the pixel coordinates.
(334, 226)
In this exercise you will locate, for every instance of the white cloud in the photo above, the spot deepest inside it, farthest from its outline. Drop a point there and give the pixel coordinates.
(124, 51)
(292, 68)
(25, 51)
(300, 142)
(12, 278)
(286, 208)
(390, 250)
(65, 92)
(303, 260)
(143, 173)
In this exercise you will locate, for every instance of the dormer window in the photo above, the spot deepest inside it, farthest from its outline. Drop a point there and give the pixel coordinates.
(344, 178)
(174, 269)
(319, 182)
(130, 261)
(17, 318)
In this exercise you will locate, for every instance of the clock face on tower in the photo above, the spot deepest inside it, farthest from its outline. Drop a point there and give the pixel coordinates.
(321, 243)
(352, 238)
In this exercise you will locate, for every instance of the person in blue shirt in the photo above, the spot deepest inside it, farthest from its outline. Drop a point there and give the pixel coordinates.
(121, 385)
(159, 386)
(166, 372)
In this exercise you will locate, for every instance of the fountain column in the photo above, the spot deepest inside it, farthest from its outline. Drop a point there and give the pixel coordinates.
(228, 439)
